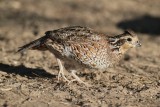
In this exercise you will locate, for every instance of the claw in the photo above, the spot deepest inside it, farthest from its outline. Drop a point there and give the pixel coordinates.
(61, 74)
(76, 78)
(61, 69)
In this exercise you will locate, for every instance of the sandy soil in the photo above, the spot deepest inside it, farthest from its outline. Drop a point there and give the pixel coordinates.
(29, 79)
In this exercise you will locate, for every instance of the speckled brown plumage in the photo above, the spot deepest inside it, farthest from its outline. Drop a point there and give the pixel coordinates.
(84, 47)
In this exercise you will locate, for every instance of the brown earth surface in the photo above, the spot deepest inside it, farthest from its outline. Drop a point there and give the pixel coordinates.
(29, 79)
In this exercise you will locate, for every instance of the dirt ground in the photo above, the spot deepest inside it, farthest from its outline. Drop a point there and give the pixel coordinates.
(30, 79)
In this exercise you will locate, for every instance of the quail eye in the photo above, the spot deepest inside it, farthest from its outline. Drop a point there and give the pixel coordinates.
(129, 39)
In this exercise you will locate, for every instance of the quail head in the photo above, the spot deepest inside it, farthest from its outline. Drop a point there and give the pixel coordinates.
(83, 47)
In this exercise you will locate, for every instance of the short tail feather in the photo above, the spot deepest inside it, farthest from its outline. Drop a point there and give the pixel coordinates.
(34, 44)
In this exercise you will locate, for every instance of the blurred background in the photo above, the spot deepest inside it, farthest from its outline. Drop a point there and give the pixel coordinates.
(22, 21)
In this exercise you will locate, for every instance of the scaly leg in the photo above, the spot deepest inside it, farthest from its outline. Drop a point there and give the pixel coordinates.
(76, 78)
(61, 70)
(61, 73)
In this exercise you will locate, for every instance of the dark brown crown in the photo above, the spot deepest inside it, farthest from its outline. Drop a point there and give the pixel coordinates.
(130, 32)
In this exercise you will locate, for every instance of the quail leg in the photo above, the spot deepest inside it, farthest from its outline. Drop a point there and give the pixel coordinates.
(61, 70)
(76, 78)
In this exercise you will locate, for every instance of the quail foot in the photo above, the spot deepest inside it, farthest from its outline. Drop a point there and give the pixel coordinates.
(83, 47)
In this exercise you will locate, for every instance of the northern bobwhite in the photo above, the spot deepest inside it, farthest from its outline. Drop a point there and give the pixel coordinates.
(83, 47)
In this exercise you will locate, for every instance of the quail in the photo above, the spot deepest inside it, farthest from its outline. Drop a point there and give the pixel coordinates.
(83, 47)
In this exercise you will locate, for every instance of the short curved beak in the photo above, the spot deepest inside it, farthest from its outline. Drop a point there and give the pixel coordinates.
(138, 44)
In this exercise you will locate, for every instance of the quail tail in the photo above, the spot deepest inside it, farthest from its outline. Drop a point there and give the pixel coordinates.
(36, 44)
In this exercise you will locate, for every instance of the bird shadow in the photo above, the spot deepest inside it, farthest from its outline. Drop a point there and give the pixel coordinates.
(145, 24)
(24, 71)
